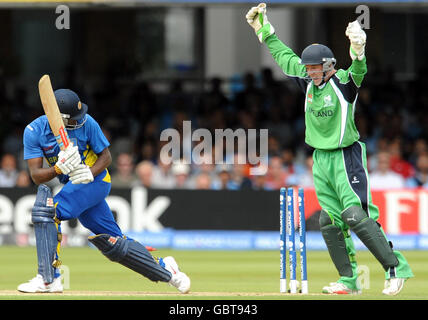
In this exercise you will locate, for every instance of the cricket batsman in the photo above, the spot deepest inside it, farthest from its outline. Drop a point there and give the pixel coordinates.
(82, 168)
(340, 163)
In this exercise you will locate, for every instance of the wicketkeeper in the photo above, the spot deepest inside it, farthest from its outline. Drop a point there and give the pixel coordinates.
(340, 162)
(82, 168)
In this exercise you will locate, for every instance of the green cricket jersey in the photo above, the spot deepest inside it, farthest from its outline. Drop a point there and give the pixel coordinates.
(329, 108)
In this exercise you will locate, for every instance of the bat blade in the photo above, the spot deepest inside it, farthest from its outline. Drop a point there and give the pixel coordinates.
(51, 109)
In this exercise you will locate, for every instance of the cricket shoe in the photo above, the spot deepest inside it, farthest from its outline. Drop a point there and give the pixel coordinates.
(339, 288)
(178, 279)
(393, 286)
(38, 285)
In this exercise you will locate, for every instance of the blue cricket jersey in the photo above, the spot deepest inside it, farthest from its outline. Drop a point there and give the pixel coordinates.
(39, 141)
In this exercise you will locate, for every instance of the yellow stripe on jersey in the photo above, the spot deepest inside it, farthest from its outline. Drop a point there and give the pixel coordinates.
(107, 178)
(90, 156)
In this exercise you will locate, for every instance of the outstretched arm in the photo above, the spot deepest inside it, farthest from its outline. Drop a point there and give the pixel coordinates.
(357, 38)
(287, 60)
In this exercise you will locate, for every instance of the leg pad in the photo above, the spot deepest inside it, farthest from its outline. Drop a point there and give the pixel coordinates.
(47, 236)
(369, 232)
(132, 255)
(336, 245)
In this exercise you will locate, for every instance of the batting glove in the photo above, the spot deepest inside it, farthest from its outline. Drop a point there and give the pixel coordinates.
(82, 174)
(68, 159)
(357, 37)
(256, 18)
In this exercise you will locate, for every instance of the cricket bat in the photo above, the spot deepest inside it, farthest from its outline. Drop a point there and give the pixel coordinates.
(52, 112)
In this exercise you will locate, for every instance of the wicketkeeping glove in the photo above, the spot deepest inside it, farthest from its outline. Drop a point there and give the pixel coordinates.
(82, 174)
(357, 37)
(68, 159)
(256, 18)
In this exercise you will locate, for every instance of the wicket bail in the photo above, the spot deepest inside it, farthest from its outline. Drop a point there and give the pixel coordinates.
(286, 200)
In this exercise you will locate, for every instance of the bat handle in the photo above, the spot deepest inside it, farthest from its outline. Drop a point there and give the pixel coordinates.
(62, 139)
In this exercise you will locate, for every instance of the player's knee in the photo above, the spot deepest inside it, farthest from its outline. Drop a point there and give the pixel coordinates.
(353, 216)
(324, 219)
(43, 210)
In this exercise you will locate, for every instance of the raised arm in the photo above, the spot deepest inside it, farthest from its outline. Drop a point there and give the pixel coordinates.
(287, 60)
(357, 38)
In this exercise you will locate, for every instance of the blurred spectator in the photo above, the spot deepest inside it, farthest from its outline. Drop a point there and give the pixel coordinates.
(398, 164)
(124, 176)
(224, 181)
(383, 177)
(142, 104)
(23, 180)
(303, 179)
(280, 131)
(162, 177)
(289, 162)
(251, 98)
(274, 146)
(381, 145)
(269, 85)
(203, 181)
(212, 101)
(420, 147)
(144, 172)
(206, 166)
(147, 152)
(8, 171)
(239, 174)
(259, 181)
(420, 179)
(276, 175)
(181, 173)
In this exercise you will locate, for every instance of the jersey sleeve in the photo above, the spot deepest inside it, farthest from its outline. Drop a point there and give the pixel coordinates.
(32, 148)
(287, 60)
(357, 71)
(97, 140)
(349, 81)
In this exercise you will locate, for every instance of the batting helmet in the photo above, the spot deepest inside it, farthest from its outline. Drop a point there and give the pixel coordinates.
(318, 54)
(71, 107)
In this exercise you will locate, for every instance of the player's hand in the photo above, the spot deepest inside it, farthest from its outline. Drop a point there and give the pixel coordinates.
(357, 37)
(257, 19)
(81, 174)
(68, 159)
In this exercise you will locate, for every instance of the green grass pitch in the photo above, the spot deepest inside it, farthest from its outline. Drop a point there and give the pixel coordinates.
(249, 275)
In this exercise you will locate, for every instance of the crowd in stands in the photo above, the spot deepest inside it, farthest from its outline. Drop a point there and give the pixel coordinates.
(390, 116)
